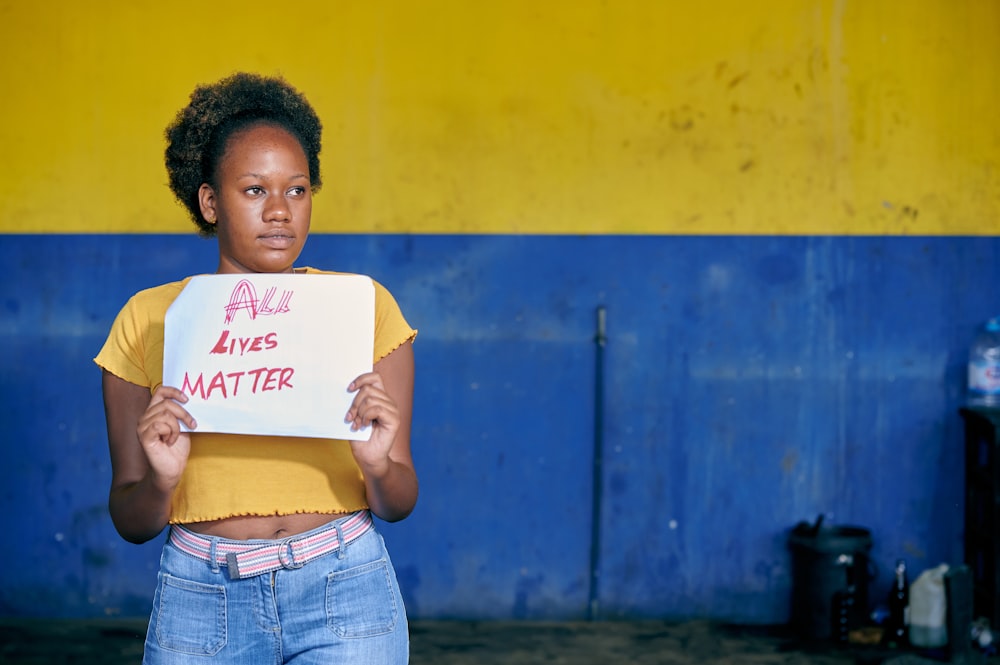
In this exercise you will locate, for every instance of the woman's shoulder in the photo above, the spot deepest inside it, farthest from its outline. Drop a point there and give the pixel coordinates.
(383, 297)
(157, 297)
(309, 270)
(316, 271)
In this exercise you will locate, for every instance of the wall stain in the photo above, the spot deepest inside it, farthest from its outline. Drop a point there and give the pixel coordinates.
(736, 80)
(682, 119)
(789, 461)
(96, 558)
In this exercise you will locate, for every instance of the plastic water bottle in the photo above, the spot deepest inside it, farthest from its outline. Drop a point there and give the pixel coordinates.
(984, 366)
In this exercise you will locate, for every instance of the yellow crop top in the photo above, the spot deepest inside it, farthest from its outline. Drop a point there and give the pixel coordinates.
(231, 474)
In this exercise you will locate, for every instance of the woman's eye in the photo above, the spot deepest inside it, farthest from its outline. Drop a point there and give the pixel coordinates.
(297, 191)
(255, 190)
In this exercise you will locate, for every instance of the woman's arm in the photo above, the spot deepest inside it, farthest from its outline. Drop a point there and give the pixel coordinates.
(385, 401)
(148, 454)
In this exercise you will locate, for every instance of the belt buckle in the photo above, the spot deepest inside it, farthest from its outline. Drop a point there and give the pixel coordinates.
(286, 556)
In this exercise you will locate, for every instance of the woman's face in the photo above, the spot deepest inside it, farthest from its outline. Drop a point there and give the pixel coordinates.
(262, 203)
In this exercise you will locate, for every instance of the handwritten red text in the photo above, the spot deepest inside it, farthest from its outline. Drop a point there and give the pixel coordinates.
(231, 384)
(244, 345)
(244, 298)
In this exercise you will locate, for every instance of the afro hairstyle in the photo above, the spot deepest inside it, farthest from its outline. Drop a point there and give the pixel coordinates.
(196, 139)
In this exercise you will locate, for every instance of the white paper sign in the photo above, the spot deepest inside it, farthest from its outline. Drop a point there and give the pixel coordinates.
(271, 354)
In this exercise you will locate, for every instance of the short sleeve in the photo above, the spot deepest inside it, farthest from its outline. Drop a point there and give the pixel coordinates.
(133, 350)
(123, 351)
(391, 327)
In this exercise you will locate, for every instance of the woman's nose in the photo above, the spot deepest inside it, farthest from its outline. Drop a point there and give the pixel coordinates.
(276, 209)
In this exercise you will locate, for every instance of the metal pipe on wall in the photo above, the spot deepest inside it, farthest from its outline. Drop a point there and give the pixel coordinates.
(600, 341)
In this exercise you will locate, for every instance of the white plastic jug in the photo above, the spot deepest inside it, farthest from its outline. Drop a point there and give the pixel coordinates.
(929, 609)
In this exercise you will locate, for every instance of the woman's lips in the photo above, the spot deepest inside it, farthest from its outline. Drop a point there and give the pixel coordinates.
(278, 241)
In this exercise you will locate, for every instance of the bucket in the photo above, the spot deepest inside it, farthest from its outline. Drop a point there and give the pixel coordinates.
(830, 575)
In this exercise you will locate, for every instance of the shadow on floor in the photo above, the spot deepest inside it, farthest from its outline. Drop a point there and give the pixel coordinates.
(119, 641)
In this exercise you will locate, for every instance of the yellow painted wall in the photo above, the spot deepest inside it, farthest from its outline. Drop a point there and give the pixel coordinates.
(529, 116)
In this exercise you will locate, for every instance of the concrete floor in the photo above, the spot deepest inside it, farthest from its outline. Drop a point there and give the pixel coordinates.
(114, 642)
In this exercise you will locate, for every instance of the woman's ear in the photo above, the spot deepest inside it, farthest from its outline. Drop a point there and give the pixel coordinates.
(206, 199)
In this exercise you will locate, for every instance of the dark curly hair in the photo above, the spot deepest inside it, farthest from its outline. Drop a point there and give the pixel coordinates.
(196, 139)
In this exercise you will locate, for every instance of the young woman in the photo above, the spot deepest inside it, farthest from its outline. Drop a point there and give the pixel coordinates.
(271, 555)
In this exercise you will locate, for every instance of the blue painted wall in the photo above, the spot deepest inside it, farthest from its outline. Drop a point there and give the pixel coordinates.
(751, 382)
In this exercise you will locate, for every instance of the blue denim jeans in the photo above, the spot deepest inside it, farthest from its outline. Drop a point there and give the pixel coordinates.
(344, 607)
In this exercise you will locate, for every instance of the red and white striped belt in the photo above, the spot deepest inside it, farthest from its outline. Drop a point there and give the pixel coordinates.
(249, 558)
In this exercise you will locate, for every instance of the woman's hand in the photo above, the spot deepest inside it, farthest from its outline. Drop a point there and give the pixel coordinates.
(148, 454)
(384, 400)
(372, 406)
(166, 447)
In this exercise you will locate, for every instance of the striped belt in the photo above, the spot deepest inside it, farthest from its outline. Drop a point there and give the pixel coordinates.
(248, 558)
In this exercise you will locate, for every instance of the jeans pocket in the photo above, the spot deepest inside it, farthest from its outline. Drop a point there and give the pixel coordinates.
(191, 616)
(360, 601)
